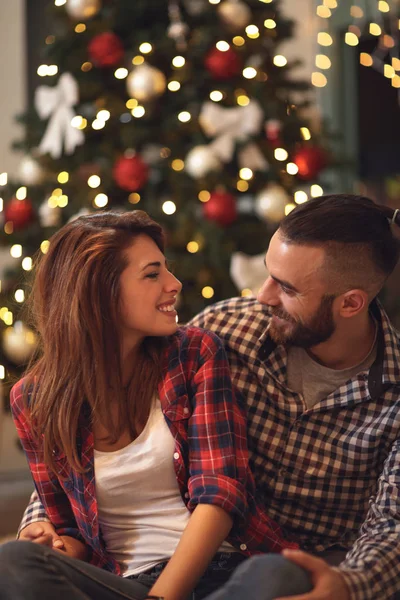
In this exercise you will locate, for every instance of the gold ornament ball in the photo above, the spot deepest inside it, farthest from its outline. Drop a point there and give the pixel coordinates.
(30, 171)
(200, 161)
(82, 9)
(270, 203)
(145, 83)
(19, 342)
(234, 14)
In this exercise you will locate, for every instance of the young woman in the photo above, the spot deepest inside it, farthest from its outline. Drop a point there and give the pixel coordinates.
(135, 441)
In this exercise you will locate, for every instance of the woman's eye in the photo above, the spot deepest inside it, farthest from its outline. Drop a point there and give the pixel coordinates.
(152, 275)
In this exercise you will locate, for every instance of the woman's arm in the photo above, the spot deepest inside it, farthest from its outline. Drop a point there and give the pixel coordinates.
(208, 526)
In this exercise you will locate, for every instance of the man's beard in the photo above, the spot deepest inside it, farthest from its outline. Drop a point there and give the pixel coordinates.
(305, 335)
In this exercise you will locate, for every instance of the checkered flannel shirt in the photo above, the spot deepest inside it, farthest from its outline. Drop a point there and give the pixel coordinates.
(211, 458)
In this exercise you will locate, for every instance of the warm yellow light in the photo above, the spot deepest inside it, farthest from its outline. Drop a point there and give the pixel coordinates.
(269, 24)
(280, 61)
(52, 201)
(292, 168)
(44, 246)
(356, 12)
(330, 3)
(351, 39)
(21, 192)
(27, 263)
(134, 198)
(86, 66)
(132, 103)
(214, 1)
(184, 116)
(266, 1)
(178, 62)
(145, 48)
(246, 174)
(238, 40)
(52, 70)
(324, 39)
(323, 11)
(204, 196)
(249, 73)
(2, 372)
(246, 292)
(388, 71)
(101, 200)
(300, 197)
(19, 296)
(242, 186)
(16, 251)
(383, 6)
(8, 318)
(9, 228)
(121, 73)
(79, 122)
(174, 86)
(318, 79)
(289, 207)
(137, 60)
(42, 70)
(178, 164)
(192, 247)
(316, 191)
(366, 59)
(243, 100)
(252, 32)
(396, 81)
(169, 207)
(138, 112)
(375, 29)
(306, 133)
(322, 61)
(3, 178)
(388, 41)
(80, 28)
(57, 192)
(1, 204)
(207, 292)
(3, 312)
(63, 177)
(103, 115)
(216, 96)
(98, 124)
(60, 2)
(222, 46)
(94, 181)
(280, 154)
(63, 201)
(396, 63)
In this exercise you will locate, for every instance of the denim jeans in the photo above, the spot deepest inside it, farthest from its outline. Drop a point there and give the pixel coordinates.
(30, 571)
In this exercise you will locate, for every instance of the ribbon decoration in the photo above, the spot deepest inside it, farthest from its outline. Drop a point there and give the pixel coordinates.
(57, 102)
(230, 126)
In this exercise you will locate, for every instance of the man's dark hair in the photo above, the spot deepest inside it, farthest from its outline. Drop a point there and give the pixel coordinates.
(356, 234)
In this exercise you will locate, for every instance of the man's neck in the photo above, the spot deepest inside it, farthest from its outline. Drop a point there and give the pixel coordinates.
(348, 346)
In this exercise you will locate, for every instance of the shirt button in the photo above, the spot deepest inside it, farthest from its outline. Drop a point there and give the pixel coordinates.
(186, 410)
(176, 455)
(243, 547)
(186, 494)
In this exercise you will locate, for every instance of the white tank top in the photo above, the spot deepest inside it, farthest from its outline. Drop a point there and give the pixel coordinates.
(141, 512)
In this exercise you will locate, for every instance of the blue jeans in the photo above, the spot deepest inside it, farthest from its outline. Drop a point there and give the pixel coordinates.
(32, 572)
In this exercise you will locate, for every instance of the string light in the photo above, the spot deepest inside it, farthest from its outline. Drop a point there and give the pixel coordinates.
(289, 207)
(300, 197)
(16, 251)
(145, 48)
(174, 86)
(3, 179)
(366, 59)
(204, 196)
(252, 32)
(1, 204)
(246, 174)
(94, 181)
(351, 39)
(280, 154)
(169, 207)
(323, 11)
(134, 198)
(87, 66)
(222, 46)
(242, 186)
(238, 40)
(98, 124)
(316, 190)
(249, 72)
(8, 318)
(103, 115)
(322, 61)
(79, 122)
(292, 168)
(356, 12)
(138, 112)
(44, 246)
(2, 372)
(280, 61)
(100, 201)
(243, 100)
(27, 263)
(63, 177)
(269, 24)
(184, 116)
(137, 60)
(19, 296)
(178, 62)
(375, 29)
(324, 39)
(21, 193)
(63, 201)
(80, 28)
(207, 292)
(216, 96)
(318, 79)
(306, 133)
(192, 247)
(121, 73)
(383, 6)
(177, 164)
(60, 2)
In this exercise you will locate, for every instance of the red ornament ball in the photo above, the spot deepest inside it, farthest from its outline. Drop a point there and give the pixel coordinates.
(223, 65)
(130, 173)
(106, 50)
(19, 212)
(310, 160)
(221, 208)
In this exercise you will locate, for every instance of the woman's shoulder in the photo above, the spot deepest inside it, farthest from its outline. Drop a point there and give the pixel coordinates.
(196, 336)
(19, 391)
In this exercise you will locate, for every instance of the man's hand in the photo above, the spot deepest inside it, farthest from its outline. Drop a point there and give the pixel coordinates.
(328, 583)
(44, 533)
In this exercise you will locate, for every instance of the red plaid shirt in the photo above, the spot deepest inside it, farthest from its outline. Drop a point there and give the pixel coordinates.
(210, 457)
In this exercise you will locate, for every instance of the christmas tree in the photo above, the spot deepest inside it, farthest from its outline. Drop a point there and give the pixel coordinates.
(183, 109)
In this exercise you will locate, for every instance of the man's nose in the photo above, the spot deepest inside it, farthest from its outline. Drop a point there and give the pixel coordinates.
(268, 293)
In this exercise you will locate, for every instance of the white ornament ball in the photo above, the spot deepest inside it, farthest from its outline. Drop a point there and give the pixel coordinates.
(200, 161)
(270, 203)
(234, 14)
(30, 171)
(145, 83)
(82, 9)
(19, 342)
(49, 216)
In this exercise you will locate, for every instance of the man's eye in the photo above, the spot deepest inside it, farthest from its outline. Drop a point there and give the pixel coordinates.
(287, 291)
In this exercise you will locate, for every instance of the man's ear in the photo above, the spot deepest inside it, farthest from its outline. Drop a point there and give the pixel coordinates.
(352, 303)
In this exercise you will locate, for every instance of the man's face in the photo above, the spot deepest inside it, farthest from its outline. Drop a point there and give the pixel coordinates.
(302, 310)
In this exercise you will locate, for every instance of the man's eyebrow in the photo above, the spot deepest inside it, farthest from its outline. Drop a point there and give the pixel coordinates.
(151, 264)
(285, 284)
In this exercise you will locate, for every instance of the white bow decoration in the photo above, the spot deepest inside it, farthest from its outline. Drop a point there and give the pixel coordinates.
(56, 103)
(232, 125)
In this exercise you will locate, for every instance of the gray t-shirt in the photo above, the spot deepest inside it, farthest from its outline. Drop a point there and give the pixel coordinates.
(315, 381)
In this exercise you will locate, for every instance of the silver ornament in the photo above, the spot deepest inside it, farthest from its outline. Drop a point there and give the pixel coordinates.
(30, 171)
(270, 203)
(200, 161)
(234, 14)
(82, 9)
(145, 83)
(49, 216)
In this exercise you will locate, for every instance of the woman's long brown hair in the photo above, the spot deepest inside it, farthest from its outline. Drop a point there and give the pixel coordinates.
(75, 308)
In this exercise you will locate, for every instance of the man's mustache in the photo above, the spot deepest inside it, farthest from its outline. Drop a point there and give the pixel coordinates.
(278, 312)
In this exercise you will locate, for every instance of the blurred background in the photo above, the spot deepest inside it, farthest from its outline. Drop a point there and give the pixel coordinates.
(215, 116)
